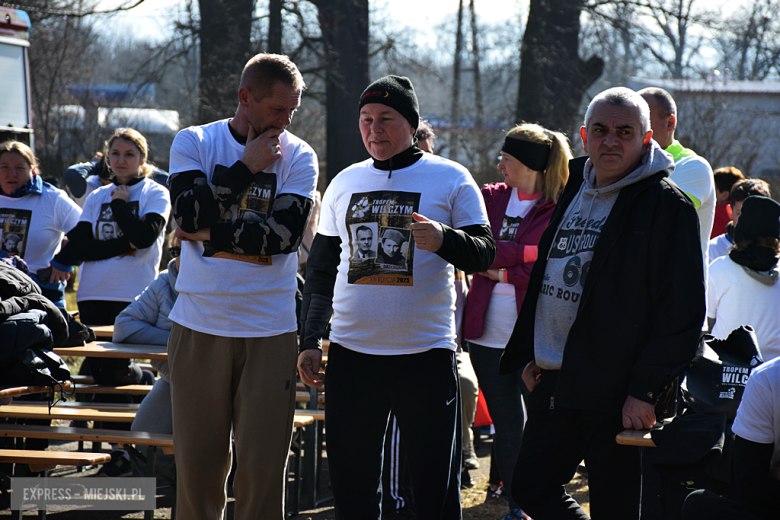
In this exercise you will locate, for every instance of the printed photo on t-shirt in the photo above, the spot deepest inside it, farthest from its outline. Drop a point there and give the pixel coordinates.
(381, 244)
(106, 227)
(253, 207)
(509, 228)
(14, 228)
(365, 237)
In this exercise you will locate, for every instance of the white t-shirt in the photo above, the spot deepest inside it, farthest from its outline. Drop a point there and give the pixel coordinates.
(758, 416)
(122, 278)
(39, 223)
(402, 299)
(224, 294)
(501, 313)
(719, 246)
(694, 176)
(736, 298)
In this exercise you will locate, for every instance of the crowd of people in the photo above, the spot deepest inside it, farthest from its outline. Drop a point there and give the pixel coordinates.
(574, 294)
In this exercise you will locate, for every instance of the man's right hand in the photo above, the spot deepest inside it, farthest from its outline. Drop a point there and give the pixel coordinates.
(309, 367)
(261, 150)
(531, 375)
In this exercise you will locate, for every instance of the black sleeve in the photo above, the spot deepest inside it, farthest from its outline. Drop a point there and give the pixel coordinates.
(142, 233)
(317, 306)
(470, 248)
(198, 204)
(752, 481)
(280, 234)
(83, 246)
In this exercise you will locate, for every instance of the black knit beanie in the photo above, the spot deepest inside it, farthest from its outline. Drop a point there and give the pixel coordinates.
(760, 217)
(396, 92)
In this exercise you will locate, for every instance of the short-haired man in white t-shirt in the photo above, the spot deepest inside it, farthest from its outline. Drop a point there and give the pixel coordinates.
(393, 336)
(242, 191)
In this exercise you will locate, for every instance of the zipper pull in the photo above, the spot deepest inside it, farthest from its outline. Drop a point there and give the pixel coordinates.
(552, 402)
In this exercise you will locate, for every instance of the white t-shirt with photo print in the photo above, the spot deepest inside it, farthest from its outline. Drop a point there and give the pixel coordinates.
(122, 278)
(403, 300)
(39, 221)
(224, 294)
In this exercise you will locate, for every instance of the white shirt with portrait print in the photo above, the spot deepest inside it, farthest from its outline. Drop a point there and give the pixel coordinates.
(122, 278)
(391, 309)
(52, 214)
(224, 296)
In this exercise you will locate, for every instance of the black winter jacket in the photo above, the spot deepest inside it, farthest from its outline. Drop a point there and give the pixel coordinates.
(18, 294)
(643, 304)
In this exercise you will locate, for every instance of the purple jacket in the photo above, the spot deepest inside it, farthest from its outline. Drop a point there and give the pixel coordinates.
(517, 257)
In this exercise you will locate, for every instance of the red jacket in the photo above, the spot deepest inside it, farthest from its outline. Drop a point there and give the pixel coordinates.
(517, 257)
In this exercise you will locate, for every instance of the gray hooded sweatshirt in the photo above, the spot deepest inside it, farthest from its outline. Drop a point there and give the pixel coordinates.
(569, 258)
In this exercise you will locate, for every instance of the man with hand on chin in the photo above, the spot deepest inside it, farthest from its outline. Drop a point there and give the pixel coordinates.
(613, 314)
(410, 335)
(242, 191)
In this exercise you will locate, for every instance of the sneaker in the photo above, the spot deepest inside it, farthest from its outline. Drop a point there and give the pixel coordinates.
(516, 514)
(495, 495)
(471, 463)
(119, 466)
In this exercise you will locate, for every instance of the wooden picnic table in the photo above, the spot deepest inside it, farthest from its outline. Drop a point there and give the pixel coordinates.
(103, 332)
(108, 349)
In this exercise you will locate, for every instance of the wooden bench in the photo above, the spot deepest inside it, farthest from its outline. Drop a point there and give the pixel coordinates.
(46, 460)
(62, 411)
(64, 433)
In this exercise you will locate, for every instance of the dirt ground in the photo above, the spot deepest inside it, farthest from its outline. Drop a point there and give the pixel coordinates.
(473, 499)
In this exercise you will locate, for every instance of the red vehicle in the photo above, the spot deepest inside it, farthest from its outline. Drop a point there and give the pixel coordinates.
(16, 108)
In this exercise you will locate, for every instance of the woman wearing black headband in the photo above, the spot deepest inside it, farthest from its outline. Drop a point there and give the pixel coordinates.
(535, 165)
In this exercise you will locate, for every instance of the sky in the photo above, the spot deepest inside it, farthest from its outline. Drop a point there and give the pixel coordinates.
(149, 20)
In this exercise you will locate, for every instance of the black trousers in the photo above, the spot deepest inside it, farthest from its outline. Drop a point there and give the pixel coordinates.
(555, 441)
(397, 491)
(423, 392)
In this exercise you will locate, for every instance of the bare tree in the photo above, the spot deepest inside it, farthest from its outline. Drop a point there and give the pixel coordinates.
(728, 132)
(225, 46)
(344, 27)
(553, 77)
(749, 42)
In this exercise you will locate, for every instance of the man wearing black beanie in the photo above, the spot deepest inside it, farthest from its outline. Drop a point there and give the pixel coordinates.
(393, 328)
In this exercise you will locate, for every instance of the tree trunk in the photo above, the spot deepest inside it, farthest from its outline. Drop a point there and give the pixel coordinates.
(455, 113)
(224, 43)
(344, 27)
(553, 78)
(275, 26)
(475, 64)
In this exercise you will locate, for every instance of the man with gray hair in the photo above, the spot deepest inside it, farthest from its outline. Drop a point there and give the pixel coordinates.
(612, 315)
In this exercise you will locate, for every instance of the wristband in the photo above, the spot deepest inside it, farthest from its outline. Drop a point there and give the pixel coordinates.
(502, 274)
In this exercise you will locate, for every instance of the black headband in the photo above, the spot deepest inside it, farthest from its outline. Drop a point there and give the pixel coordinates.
(533, 155)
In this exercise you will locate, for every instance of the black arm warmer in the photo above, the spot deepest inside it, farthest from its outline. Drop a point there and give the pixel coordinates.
(198, 204)
(470, 248)
(280, 234)
(752, 481)
(317, 306)
(141, 233)
(83, 246)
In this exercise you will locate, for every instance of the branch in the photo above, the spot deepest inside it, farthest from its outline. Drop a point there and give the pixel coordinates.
(73, 14)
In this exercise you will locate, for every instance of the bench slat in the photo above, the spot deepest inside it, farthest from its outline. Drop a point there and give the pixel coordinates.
(114, 390)
(14, 411)
(45, 460)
